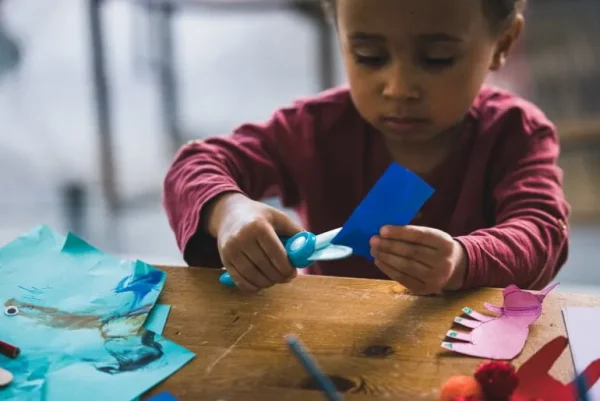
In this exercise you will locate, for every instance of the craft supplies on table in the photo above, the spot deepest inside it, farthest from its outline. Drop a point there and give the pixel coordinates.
(84, 321)
(494, 380)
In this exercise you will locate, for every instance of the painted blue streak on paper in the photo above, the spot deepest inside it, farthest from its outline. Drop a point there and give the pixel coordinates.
(139, 285)
(395, 199)
(87, 321)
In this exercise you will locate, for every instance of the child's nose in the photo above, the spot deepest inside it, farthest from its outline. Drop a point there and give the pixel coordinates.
(398, 85)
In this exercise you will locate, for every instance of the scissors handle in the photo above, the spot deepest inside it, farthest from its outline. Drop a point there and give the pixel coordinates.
(298, 248)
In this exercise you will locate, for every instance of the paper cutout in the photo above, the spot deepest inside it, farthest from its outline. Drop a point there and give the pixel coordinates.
(579, 323)
(83, 314)
(394, 200)
(535, 382)
(501, 337)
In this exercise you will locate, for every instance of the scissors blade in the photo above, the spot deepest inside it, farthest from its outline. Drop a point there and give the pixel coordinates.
(324, 240)
(331, 252)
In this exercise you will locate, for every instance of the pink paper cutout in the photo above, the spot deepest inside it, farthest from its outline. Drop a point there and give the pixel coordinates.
(499, 337)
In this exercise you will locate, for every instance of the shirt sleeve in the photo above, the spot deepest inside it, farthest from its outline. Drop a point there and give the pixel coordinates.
(254, 160)
(528, 244)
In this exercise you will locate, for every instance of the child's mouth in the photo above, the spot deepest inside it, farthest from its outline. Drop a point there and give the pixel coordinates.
(404, 125)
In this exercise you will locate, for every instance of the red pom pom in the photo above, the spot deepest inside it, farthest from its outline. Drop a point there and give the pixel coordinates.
(498, 380)
(468, 399)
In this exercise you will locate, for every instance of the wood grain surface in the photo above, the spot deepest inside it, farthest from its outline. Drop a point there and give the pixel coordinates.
(376, 341)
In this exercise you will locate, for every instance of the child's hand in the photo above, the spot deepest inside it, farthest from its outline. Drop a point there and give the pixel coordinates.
(247, 236)
(422, 259)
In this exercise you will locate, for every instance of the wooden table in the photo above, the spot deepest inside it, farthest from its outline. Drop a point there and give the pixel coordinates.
(375, 340)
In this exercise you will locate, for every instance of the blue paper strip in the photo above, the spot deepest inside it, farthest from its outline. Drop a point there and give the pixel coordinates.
(164, 396)
(394, 200)
(157, 318)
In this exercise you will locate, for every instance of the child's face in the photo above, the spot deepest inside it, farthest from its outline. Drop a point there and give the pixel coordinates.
(415, 66)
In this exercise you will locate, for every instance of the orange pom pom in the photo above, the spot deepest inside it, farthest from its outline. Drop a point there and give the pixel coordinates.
(460, 386)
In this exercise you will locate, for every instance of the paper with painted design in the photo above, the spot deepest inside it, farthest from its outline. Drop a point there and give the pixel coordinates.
(80, 321)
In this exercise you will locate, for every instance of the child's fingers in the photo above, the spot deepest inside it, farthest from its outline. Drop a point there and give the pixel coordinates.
(259, 258)
(249, 272)
(423, 254)
(274, 249)
(405, 266)
(410, 282)
(426, 236)
(239, 280)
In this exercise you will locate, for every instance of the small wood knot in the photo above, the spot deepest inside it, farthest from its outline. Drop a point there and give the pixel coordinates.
(342, 384)
(378, 351)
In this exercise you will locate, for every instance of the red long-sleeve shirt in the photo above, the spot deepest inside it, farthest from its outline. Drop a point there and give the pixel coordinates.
(500, 194)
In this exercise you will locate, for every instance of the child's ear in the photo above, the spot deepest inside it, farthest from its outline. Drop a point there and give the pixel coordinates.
(506, 43)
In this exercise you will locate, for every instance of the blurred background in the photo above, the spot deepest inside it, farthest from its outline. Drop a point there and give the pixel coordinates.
(96, 96)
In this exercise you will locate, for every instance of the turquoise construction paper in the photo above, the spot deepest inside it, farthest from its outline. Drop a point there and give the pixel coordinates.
(81, 322)
(157, 318)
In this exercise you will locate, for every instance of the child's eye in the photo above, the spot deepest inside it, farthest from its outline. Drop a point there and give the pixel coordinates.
(373, 61)
(437, 62)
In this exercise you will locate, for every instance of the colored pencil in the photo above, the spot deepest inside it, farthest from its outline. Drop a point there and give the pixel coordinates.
(9, 350)
(581, 388)
(310, 365)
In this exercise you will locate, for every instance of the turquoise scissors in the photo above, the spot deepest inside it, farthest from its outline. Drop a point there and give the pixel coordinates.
(305, 248)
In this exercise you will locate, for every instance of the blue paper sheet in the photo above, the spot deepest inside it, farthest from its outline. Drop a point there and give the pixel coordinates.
(80, 322)
(394, 200)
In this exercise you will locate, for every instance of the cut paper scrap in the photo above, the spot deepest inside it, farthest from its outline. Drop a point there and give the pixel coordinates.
(395, 199)
(536, 383)
(157, 318)
(164, 396)
(579, 323)
(83, 312)
(500, 337)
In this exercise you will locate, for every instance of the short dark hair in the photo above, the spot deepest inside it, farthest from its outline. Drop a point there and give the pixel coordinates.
(500, 13)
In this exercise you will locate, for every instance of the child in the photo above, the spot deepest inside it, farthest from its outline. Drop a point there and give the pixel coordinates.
(416, 70)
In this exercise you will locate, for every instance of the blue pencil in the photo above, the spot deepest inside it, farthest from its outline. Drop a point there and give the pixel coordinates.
(581, 387)
(310, 365)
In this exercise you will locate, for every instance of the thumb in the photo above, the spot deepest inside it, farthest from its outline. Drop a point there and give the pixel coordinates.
(283, 224)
